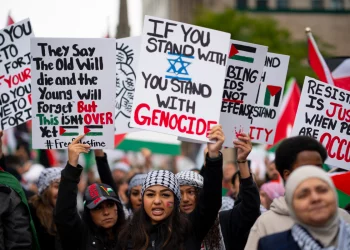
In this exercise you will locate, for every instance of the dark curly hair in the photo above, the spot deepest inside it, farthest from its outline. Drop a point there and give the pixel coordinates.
(172, 232)
(288, 150)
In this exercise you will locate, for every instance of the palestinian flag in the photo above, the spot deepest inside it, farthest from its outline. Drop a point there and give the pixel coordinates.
(242, 53)
(288, 112)
(69, 130)
(341, 182)
(340, 68)
(9, 20)
(317, 62)
(93, 130)
(156, 142)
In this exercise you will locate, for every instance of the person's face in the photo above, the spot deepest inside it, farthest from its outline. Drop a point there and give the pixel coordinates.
(272, 171)
(53, 192)
(305, 158)
(229, 171)
(135, 197)
(158, 202)
(105, 215)
(118, 175)
(188, 199)
(265, 200)
(235, 188)
(314, 202)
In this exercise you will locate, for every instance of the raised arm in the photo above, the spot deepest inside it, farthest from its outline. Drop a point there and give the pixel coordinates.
(206, 211)
(68, 222)
(104, 170)
(236, 222)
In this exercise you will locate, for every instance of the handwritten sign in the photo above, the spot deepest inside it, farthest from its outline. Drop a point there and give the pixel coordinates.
(128, 50)
(243, 74)
(72, 84)
(324, 114)
(180, 78)
(266, 111)
(15, 74)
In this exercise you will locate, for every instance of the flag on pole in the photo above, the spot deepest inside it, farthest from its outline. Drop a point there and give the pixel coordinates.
(340, 68)
(288, 112)
(316, 60)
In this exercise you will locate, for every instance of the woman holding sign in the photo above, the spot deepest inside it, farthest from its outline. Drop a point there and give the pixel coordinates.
(103, 215)
(313, 204)
(159, 224)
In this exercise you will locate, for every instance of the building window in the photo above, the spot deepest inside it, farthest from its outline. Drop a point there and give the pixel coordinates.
(337, 4)
(317, 4)
(282, 4)
(242, 4)
(261, 4)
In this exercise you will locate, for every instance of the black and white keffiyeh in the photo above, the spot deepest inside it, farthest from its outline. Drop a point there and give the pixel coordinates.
(137, 180)
(306, 242)
(190, 178)
(163, 178)
(47, 176)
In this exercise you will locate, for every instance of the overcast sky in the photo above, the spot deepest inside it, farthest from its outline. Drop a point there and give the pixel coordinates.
(71, 18)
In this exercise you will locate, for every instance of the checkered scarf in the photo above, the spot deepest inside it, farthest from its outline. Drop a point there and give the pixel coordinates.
(163, 178)
(47, 176)
(137, 180)
(190, 178)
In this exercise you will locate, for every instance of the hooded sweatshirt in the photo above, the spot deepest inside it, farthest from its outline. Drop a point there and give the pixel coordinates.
(276, 220)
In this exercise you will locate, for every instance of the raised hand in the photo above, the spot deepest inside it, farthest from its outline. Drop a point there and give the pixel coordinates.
(244, 146)
(215, 133)
(74, 150)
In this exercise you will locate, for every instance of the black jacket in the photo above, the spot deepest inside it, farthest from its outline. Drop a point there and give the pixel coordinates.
(278, 241)
(206, 211)
(15, 230)
(237, 222)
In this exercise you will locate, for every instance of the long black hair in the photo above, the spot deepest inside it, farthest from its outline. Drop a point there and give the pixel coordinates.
(100, 232)
(172, 231)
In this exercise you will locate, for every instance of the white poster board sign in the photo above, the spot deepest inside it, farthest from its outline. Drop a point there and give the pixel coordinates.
(15, 74)
(180, 78)
(243, 74)
(72, 84)
(128, 50)
(264, 118)
(324, 114)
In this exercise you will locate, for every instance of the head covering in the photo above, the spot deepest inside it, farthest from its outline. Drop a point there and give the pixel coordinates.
(122, 166)
(327, 233)
(190, 178)
(227, 203)
(137, 180)
(97, 193)
(273, 190)
(163, 178)
(47, 176)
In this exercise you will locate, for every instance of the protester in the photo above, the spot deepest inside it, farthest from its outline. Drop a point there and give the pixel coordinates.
(270, 191)
(291, 154)
(272, 174)
(313, 204)
(236, 222)
(229, 170)
(17, 229)
(103, 215)
(42, 206)
(134, 193)
(158, 224)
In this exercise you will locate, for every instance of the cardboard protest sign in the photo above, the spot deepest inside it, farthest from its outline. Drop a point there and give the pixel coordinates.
(243, 74)
(269, 99)
(180, 78)
(128, 50)
(324, 114)
(72, 84)
(15, 87)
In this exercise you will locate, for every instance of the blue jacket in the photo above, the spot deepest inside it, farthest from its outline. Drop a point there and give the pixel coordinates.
(279, 241)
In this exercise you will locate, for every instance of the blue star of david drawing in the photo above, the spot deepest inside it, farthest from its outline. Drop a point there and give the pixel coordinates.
(178, 66)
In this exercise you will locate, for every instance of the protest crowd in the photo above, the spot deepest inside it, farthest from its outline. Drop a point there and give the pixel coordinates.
(64, 185)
